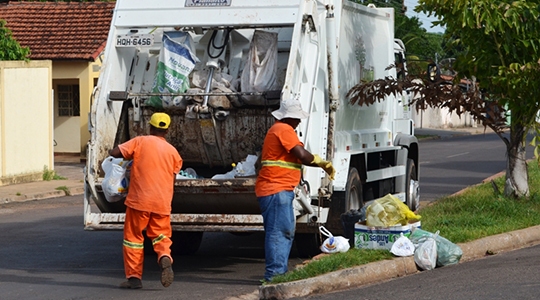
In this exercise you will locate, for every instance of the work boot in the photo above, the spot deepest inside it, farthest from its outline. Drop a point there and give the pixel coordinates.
(167, 274)
(131, 283)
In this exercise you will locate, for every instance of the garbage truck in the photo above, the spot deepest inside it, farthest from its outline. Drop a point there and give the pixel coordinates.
(219, 68)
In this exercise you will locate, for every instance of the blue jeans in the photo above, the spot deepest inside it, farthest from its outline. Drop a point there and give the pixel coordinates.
(279, 224)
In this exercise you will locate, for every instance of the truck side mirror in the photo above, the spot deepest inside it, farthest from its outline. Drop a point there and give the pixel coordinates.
(434, 73)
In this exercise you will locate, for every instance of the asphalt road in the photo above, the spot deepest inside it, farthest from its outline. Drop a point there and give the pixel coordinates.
(451, 164)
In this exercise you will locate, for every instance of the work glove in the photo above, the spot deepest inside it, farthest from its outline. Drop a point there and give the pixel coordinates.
(325, 165)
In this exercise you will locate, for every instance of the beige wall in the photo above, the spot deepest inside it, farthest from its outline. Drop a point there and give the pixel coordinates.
(26, 117)
(433, 117)
(71, 133)
(441, 118)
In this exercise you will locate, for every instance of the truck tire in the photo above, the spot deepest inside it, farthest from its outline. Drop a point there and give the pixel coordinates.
(412, 197)
(307, 244)
(186, 242)
(342, 202)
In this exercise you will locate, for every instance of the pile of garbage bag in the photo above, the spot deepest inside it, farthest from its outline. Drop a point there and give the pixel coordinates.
(244, 168)
(430, 250)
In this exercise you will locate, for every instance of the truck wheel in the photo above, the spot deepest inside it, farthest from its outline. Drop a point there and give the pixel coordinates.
(307, 244)
(342, 202)
(412, 186)
(353, 191)
(186, 242)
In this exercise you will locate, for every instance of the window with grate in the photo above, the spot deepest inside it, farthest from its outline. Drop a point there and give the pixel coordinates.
(68, 101)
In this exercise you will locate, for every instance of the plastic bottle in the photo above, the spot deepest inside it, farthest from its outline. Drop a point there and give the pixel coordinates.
(191, 173)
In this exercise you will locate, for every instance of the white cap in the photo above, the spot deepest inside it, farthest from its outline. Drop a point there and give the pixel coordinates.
(290, 108)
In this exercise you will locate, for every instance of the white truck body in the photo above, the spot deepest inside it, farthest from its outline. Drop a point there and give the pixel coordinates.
(319, 46)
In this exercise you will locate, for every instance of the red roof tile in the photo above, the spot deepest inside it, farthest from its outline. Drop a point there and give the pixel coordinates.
(59, 30)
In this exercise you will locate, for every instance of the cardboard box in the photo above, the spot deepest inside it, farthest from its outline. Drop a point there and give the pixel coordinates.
(370, 237)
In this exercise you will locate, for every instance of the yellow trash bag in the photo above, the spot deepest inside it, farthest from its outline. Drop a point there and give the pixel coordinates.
(389, 211)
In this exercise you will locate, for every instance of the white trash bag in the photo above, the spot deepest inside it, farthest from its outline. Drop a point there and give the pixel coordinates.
(244, 168)
(402, 246)
(115, 184)
(425, 255)
(333, 244)
(259, 73)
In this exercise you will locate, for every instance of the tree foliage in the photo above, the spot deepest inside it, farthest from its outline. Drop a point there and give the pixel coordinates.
(419, 43)
(501, 40)
(10, 49)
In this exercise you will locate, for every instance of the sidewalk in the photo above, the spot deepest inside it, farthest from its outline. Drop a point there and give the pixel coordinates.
(426, 133)
(65, 166)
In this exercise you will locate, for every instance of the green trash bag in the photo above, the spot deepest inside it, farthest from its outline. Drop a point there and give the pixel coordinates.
(448, 253)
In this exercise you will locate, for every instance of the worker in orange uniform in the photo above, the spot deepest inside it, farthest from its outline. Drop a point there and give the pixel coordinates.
(281, 161)
(148, 203)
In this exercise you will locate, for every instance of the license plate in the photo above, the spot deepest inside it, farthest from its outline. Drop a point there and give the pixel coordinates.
(208, 3)
(142, 40)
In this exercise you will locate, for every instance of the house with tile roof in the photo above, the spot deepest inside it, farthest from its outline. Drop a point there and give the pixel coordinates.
(72, 35)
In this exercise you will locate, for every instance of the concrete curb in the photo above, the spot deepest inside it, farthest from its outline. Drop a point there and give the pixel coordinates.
(401, 266)
(71, 191)
(342, 279)
(500, 243)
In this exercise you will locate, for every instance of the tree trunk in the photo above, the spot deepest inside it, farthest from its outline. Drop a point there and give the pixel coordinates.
(517, 176)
